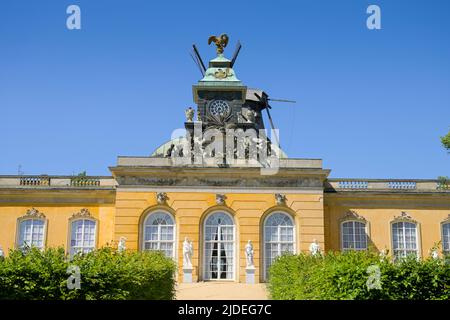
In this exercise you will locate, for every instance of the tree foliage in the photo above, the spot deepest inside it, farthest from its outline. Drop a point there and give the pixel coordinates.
(344, 276)
(105, 275)
(446, 141)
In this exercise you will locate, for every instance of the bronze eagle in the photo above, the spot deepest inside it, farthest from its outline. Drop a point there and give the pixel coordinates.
(221, 42)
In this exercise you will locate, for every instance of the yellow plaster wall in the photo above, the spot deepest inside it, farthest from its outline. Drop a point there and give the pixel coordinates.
(429, 214)
(316, 216)
(57, 223)
(190, 209)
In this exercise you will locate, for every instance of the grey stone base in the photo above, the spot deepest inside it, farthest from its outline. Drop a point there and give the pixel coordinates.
(187, 275)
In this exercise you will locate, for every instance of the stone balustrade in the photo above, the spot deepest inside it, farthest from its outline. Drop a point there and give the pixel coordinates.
(385, 184)
(56, 181)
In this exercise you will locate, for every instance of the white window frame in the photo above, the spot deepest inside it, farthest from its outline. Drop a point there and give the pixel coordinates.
(235, 247)
(44, 232)
(366, 231)
(417, 237)
(158, 241)
(443, 237)
(81, 248)
(279, 242)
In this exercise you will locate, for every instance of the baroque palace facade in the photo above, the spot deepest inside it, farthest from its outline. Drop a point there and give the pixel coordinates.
(222, 201)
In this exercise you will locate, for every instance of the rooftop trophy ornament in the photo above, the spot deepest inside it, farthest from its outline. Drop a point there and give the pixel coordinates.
(220, 199)
(280, 199)
(249, 254)
(121, 247)
(189, 112)
(221, 42)
(188, 251)
(199, 116)
(161, 197)
(314, 248)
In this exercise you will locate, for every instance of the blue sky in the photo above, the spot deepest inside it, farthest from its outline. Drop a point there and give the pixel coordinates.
(370, 103)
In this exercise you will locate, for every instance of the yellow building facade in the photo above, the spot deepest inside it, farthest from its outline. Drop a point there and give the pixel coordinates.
(160, 203)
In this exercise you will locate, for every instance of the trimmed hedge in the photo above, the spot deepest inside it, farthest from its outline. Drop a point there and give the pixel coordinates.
(105, 275)
(343, 276)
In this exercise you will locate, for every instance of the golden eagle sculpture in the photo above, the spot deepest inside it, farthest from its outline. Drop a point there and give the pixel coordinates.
(220, 41)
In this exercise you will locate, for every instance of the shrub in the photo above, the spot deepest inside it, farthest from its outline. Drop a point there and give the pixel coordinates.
(105, 275)
(339, 276)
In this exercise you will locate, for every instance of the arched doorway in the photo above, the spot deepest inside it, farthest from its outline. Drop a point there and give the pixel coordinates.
(218, 247)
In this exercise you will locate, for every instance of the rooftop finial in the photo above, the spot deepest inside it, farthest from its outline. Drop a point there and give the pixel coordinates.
(221, 42)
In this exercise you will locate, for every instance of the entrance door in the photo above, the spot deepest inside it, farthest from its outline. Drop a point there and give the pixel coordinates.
(218, 250)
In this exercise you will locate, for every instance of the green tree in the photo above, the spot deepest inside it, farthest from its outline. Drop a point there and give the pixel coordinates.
(446, 141)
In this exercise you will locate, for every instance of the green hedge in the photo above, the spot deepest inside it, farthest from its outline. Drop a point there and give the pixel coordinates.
(105, 275)
(337, 276)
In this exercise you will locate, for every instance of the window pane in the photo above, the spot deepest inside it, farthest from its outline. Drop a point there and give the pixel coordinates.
(31, 233)
(82, 236)
(404, 236)
(159, 233)
(354, 235)
(446, 238)
(278, 237)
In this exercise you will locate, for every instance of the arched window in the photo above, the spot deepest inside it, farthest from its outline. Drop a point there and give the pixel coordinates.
(353, 235)
(218, 250)
(278, 237)
(446, 238)
(31, 230)
(159, 233)
(31, 233)
(82, 236)
(404, 239)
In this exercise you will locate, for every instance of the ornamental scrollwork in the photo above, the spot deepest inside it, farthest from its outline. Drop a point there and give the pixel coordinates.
(404, 216)
(353, 215)
(83, 213)
(33, 214)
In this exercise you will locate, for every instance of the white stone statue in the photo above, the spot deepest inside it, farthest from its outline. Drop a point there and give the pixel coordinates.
(434, 254)
(189, 112)
(220, 199)
(383, 254)
(188, 251)
(121, 247)
(249, 254)
(314, 248)
(250, 115)
(280, 199)
(2, 254)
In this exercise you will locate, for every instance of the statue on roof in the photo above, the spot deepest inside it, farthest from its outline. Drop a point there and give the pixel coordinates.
(189, 112)
(220, 41)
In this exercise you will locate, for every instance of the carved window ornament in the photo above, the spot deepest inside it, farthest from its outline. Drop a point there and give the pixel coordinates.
(446, 220)
(82, 214)
(353, 215)
(33, 214)
(404, 217)
(220, 199)
(161, 197)
(280, 199)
